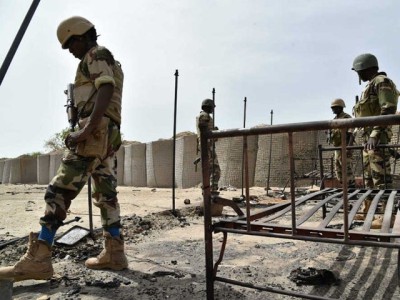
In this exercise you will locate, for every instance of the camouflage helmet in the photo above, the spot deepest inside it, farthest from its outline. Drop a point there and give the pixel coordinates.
(364, 61)
(72, 26)
(207, 103)
(338, 102)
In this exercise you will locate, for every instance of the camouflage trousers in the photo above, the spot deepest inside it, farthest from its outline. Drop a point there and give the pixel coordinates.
(71, 177)
(338, 168)
(377, 169)
(215, 170)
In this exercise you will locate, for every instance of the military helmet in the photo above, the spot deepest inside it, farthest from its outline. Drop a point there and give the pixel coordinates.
(364, 61)
(338, 102)
(72, 26)
(207, 103)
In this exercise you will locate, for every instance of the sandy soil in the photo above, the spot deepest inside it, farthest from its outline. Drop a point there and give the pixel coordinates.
(166, 253)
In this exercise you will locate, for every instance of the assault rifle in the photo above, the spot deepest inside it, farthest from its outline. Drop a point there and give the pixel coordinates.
(72, 111)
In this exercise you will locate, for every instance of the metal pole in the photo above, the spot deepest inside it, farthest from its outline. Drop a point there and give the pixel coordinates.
(174, 144)
(212, 141)
(244, 141)
(17, 40)
(208, 229)
(270, 154)
(89, 183)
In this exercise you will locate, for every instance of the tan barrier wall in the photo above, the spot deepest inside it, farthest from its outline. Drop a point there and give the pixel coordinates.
(120, 165)
(185, 173)
(159, 163)
(43, 168)
(135, 165)
(305, 147)
(55, 162)
(6, 171)
(2, 163)
(230, 158)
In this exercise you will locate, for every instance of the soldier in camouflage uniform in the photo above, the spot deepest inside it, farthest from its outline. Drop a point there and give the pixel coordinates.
(97, 93)
(378, 98)
(337, 106)
(207, 107)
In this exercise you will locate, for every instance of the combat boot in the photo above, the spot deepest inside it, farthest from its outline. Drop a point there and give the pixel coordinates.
(35, 264)
(112, 257)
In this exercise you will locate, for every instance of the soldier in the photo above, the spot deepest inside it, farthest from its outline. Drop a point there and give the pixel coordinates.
(207, 107)
(337, 106)
(98, 93)
(378, 98)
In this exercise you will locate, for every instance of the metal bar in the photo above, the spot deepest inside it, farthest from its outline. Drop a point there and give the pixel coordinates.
(356, 206)
(244, 126)
(308, 126)
(221, 254)
(89, 183)
(332, 236)
(208, 230)
(292, 188)
(270, 154)
(388, 215)
(246, 170)
(371, 211)
(315, 208)
(270, 289)
(174, 142)
(328, 218)
(344, 183)
(300, 201)
(17, 40)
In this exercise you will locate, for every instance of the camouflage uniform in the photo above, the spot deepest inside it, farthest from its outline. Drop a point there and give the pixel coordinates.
(96, 68)
(336, 141)
(379, 95)
(215, 171)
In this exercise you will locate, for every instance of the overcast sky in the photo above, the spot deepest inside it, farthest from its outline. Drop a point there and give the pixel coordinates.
(289, 56)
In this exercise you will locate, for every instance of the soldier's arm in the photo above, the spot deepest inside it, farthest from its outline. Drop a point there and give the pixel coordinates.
(387, 95)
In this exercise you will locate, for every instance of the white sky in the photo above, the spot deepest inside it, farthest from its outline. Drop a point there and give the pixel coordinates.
(292, 56)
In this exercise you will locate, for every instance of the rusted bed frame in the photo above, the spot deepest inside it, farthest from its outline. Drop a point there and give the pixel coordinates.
(266, 223)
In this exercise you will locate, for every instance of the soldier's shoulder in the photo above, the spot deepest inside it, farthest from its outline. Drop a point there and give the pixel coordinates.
(101, 53)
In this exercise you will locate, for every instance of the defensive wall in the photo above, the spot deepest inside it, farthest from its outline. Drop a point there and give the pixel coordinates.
(151, 164)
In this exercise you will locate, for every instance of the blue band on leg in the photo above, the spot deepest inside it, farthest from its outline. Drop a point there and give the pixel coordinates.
(114, 231)
(47, 235)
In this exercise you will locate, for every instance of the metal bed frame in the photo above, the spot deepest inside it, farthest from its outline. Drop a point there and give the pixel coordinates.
(328, 205)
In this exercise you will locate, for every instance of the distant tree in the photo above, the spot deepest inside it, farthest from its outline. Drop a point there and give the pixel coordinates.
(56, 142)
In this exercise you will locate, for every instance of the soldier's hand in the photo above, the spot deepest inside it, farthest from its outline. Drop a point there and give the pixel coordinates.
(371, 143)
(73, 138)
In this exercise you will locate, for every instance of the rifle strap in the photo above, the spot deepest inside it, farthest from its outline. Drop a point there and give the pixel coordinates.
(92, 93)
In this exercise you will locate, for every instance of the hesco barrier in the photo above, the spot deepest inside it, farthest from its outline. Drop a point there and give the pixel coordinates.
(135, 165)
(159, 163)
(43, 168)
(185, 154)
(305, 146)
(55, 161)
(120, 165)
(2, 163)
(151, 164)
(230, 154)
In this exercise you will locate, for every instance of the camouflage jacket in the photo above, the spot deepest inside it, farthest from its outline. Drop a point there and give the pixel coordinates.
(335, 134)
(378, 98)
(96, 68)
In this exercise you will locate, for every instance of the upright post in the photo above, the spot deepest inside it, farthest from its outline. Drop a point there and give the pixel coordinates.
(244, 141)
(270, 154)
(213, 143)
(17, 40)
(208, 230)
(174, 143)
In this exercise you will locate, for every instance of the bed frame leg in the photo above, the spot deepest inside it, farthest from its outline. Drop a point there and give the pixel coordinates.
(221, 253)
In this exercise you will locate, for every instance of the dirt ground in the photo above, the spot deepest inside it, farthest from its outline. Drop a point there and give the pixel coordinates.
(166, 253)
